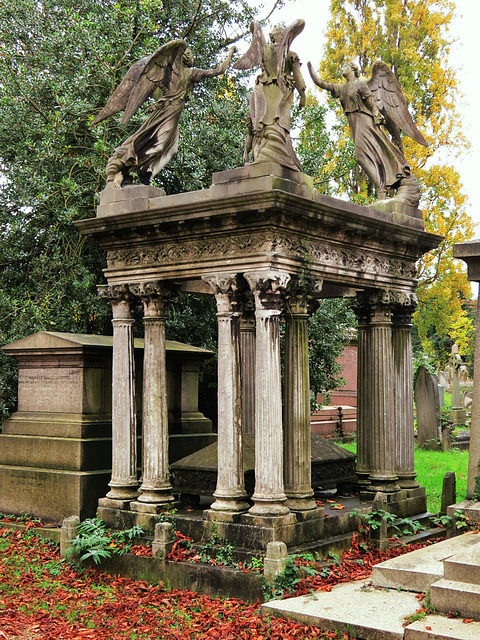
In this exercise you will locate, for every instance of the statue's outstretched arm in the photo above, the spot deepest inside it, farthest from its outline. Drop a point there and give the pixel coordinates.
(222, 67)
(299, 82)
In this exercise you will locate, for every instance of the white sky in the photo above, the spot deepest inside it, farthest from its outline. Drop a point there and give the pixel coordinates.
(464, 58)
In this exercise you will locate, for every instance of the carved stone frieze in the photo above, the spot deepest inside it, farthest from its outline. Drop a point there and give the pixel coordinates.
(313, 253)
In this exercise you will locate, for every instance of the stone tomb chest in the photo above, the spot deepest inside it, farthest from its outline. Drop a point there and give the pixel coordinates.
(55, 450)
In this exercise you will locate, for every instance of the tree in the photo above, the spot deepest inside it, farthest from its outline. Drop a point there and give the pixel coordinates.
(59, 61)
(412, 37)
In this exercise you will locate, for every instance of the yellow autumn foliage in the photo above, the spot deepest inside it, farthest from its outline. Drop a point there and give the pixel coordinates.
(412, 36)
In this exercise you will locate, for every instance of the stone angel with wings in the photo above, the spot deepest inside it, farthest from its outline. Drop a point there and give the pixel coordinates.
(167, 76)
(272, 97)
(367, 105)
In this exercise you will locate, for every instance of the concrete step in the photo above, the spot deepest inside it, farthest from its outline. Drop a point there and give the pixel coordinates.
(356, 607)
(464, 566)
(435, 627)
(459, 597)
(417, 570)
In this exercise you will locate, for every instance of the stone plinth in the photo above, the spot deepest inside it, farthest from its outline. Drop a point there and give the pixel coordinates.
(56, 450)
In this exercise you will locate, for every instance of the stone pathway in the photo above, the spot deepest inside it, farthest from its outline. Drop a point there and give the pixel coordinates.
(375, 609)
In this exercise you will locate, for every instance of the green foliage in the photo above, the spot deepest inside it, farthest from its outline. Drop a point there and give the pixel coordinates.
(442, 521)
(59, 62)
(94, 540)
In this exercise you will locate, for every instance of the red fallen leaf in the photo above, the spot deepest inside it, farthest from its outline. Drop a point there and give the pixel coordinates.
(467, 620)
(420, 596)
(428, 628)
(337, 506)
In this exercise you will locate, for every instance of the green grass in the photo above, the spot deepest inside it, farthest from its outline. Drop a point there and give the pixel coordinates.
(431, 466)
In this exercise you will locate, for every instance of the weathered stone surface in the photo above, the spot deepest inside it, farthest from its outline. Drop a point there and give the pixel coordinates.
(354, 607)
(417, 570)
(460, 597)
(435, 627)
(427, 405)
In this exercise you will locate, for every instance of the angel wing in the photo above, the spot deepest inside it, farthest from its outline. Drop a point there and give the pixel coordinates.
(141, 80)
(253, 57)
(389, 98)
(289, 36)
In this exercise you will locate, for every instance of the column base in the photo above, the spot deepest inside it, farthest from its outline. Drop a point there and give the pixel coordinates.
(267, 508)
(156, 496)
(301, 503)
(122, 492)
(407, 480)
(230, 503)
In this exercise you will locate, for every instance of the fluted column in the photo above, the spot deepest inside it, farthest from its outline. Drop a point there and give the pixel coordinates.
(404, 305)
(124, 482)
(382, 390)
(364, 438)
(156, 488)
(230, 495)
(269, 498)
(247, 365)
(297, 446)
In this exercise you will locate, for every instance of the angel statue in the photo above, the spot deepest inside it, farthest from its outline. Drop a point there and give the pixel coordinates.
(270, 102)
(368, 104)
(168, 76)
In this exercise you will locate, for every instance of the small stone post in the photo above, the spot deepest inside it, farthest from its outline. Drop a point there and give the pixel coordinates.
(379, 536)
(275, 561)
(449, 491)
(163, 541)
(68, 532)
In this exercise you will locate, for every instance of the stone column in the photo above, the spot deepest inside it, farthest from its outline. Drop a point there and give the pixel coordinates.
(364, 441)
(268, 288)
(124, 482)
(247, 360)
(156, 489)
(296, 414)
(404, 305)
(230, 494)
(382, 389)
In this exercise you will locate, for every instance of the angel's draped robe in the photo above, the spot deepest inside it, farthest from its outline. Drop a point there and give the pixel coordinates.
(152, 147)
(381, 160)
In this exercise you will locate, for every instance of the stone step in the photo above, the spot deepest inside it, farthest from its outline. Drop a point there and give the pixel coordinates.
(417, 570)
(464, 566)
(435, 627)
(459, 597)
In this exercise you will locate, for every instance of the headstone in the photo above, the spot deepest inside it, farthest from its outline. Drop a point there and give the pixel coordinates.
(441, 395)
(442, 379)
(427, 404)
(467, 399)
(449, 491)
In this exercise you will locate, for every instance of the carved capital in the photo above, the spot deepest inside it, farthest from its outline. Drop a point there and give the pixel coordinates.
(374, 306)
(302, 296)
(226, 291)
(268, 288)
(153, 296)
(119, 296)
(405, 304)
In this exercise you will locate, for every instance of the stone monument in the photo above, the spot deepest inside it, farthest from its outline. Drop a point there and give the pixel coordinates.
(427, 404)
(267, 246)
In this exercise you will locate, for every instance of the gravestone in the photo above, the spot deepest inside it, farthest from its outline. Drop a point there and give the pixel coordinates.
(427, 403)
(442, 379)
